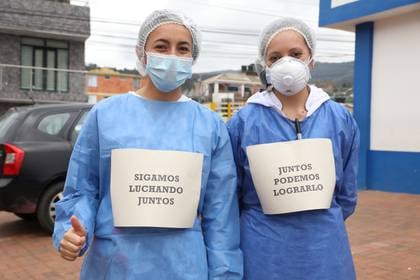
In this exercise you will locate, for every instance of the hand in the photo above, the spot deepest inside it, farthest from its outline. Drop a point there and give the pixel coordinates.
(73, 241)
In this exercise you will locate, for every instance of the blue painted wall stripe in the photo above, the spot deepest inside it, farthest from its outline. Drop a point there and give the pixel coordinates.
(362, 94)
(354, 10)
(394, 171)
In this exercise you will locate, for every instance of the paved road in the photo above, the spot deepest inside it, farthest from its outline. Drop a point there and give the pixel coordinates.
(384, 233)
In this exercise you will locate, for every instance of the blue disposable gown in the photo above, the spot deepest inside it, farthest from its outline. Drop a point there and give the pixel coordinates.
(303, 245)
(208, 250)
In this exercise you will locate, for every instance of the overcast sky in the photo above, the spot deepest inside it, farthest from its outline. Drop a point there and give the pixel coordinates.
(230, 30)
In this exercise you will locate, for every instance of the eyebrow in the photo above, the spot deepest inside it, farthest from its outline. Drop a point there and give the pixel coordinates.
(291, 50)
(167, 42)
(296, 49)
(274, 53)
(185, 43)
(161, 41)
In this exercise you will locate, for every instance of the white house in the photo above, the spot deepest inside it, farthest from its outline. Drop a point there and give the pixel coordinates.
(386, 87)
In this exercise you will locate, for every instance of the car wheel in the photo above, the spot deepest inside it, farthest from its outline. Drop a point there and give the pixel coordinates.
(46, 206)
(26, 217)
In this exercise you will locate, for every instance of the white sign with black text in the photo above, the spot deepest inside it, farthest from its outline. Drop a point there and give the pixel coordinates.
(153, 188)
(293, 176)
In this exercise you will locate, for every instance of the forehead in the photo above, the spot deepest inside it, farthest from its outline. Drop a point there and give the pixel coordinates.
(170, 32)
(285, 41)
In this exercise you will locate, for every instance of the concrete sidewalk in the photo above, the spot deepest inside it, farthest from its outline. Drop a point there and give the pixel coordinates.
(384, 234)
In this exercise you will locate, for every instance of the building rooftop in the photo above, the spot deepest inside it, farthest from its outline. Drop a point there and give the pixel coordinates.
(47, 19)
(234, 78)
(106, 71)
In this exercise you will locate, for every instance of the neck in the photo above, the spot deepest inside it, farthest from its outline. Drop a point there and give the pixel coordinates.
(295, 101)
(294, 106)
(150, 91)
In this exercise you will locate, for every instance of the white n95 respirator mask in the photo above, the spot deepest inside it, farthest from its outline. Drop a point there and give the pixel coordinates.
(289, 75)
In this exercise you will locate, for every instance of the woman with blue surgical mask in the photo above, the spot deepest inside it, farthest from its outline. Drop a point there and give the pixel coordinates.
(296, 154)
(166, 52)
(151, 186)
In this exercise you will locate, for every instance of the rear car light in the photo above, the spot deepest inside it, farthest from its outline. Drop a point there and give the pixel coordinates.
(13, 160)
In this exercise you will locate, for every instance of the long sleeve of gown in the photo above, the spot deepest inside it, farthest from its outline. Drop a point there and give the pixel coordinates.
(220, 221)
(347, 192)
(82, 184)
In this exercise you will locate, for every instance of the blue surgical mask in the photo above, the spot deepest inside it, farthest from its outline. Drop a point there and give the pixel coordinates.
(168, 72)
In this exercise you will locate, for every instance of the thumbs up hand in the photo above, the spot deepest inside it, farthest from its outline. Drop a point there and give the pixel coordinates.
(73, 241)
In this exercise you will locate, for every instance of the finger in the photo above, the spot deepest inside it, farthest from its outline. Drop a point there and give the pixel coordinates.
(73, 238)
(68, 258)
(69, 246)
(77, 226)
(65, 252)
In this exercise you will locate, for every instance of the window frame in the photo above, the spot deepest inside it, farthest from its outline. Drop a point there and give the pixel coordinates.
(81, 114)
(45, 49)
(90, 78)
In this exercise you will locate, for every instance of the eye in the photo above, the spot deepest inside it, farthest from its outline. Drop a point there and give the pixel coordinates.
(296, 54)
(160, 47)
(184, 49)
(274, 58)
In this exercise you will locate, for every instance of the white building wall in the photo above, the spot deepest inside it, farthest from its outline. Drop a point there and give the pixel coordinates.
(336, 3)
(218, 97)
(395, 106)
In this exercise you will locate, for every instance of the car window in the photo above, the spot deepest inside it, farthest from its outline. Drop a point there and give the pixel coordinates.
(6, 121)
(52, 124)
(76, 130)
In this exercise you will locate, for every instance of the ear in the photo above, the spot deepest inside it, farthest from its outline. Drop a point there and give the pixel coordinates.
(312, 65)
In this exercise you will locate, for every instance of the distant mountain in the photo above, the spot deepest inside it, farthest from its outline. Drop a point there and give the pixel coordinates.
(340, 74)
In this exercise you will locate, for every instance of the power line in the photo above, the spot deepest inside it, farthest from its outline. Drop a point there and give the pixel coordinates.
(222, 53)
(204, 29)
(252, 11)
(205, 43)
(323, 38)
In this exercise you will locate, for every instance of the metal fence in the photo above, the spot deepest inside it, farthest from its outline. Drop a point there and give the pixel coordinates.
(226, 109)
(28, 84)
(33, 78)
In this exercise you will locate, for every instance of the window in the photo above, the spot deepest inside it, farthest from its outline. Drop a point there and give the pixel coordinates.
(77, 128)
(7, 120)
(52, 124)
(136, 83)
(92, 81)
(232, 89)
(42, 53)
(227, 100)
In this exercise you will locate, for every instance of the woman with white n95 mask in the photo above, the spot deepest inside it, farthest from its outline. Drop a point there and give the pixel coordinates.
(296, 155)
(151, 186)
